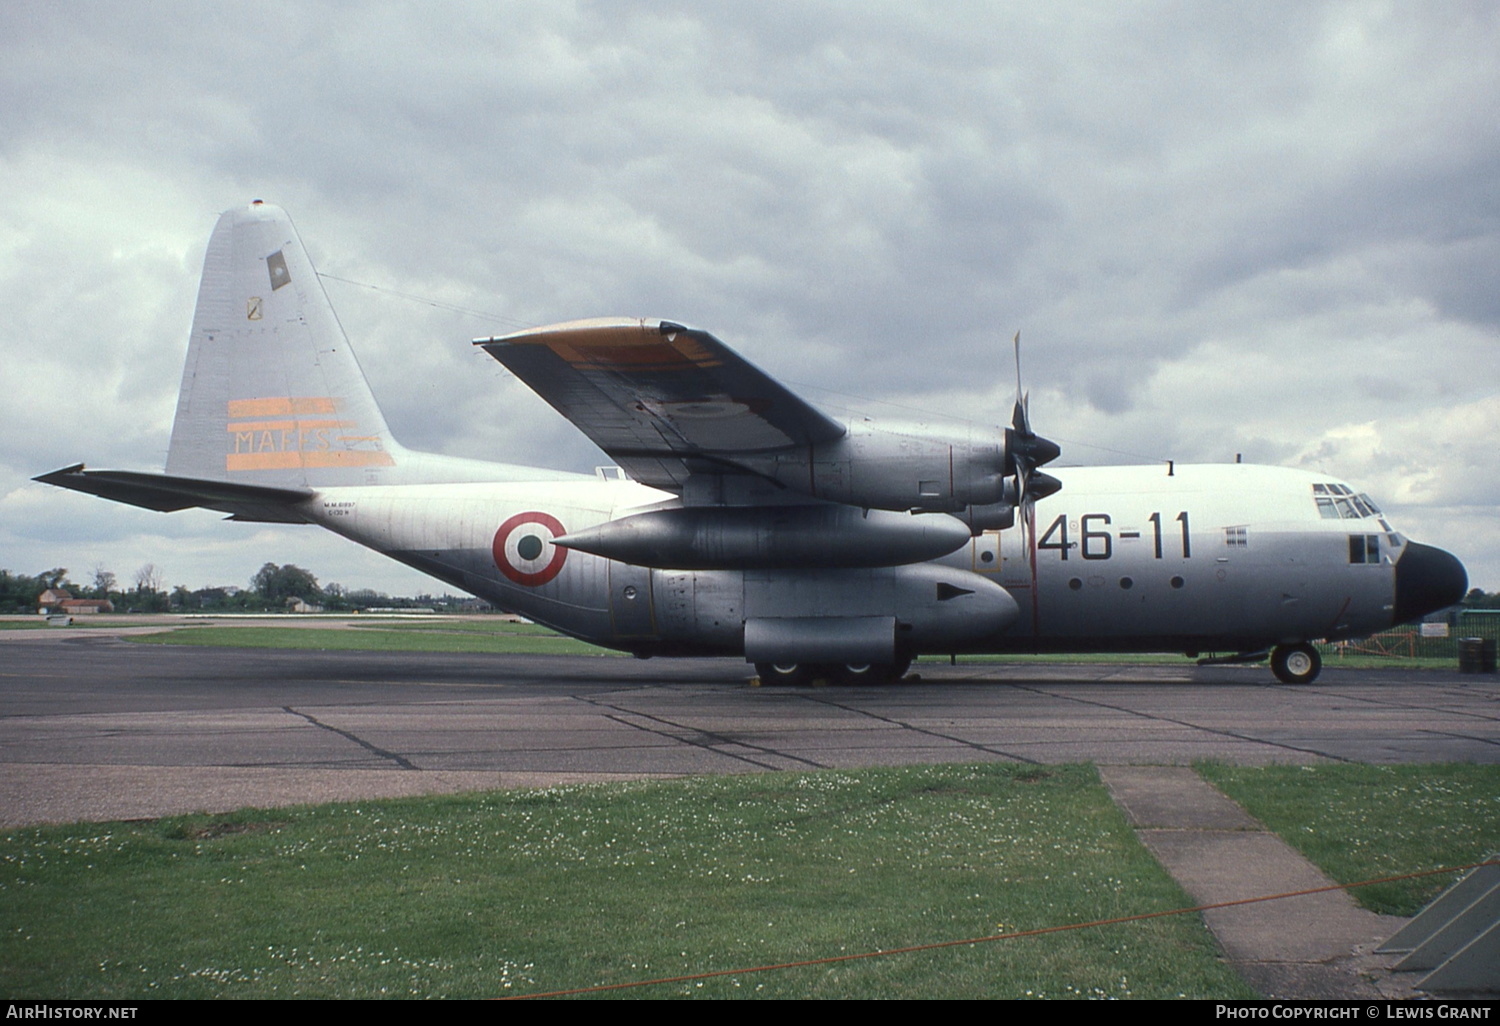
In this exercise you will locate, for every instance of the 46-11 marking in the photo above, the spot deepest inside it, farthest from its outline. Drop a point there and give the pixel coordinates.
(1097, 541)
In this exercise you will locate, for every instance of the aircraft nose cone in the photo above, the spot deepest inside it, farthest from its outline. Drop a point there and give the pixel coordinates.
(1427, 579)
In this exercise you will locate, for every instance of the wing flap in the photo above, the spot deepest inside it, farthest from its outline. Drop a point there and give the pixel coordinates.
(662, 399)
(166, 493)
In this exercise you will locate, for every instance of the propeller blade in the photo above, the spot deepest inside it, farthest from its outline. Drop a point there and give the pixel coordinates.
(1016, 343)
(1027, 450)
(1020, 418)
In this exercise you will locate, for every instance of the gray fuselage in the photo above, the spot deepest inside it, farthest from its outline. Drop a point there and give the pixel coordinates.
(1202, 559)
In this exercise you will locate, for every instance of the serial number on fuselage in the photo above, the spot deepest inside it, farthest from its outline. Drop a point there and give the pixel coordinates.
(1096, 536)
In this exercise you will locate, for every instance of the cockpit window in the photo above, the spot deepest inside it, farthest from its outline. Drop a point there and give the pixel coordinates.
(1338, 502)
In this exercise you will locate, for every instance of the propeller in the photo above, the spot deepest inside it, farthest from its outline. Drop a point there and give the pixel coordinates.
(1027, 449)
(1020, 452)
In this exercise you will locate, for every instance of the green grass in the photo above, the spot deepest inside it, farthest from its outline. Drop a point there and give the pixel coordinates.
(377, 639)
(504, 636)
(1351, 662)
(1167, 659)
(79, 620)
(1375, 662)
(1365, 822)
(524, 892)
(488, 627)
(388, 636)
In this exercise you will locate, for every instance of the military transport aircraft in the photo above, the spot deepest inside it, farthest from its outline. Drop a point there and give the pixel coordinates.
(748, 523)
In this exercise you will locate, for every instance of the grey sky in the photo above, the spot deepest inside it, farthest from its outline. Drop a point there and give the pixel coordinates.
(1271, 229)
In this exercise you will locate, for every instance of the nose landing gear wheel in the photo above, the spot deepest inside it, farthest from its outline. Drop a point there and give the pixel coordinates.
(1296, 664)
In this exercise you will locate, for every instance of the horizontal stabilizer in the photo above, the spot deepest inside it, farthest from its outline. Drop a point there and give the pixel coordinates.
(166, 493)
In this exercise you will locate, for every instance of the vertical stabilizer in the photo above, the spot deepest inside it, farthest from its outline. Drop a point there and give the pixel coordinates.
(272, 394)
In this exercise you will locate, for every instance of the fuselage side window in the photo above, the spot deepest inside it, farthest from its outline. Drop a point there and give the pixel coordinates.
(1364, 548)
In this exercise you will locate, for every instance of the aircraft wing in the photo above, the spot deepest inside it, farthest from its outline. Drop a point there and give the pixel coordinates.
(663, 400)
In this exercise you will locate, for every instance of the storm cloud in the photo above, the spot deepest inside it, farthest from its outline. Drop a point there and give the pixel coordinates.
(1271, 231)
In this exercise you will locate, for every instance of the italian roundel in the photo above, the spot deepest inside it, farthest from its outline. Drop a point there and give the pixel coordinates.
(524, 551)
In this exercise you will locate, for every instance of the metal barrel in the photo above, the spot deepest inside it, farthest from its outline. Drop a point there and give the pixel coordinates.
(1476, 655)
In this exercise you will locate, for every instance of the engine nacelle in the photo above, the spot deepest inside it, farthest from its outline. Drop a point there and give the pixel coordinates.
(894, 468)
(995, 516)
(769, 537)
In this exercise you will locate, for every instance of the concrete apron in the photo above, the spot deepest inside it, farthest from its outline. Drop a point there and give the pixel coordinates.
(1313, 946)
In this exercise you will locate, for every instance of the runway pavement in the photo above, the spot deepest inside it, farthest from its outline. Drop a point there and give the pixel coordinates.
(95, 727)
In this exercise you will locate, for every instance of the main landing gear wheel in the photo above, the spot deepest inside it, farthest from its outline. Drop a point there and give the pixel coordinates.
(851, 674)
(1296, 664)
(787, 675)
(797, 675)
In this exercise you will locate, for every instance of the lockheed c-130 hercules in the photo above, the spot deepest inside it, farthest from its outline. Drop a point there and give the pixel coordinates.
(749, 523)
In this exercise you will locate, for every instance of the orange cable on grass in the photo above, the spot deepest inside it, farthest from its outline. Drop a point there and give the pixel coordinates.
(832, 959)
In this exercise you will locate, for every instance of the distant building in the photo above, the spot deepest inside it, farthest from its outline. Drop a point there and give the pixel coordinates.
(51, 599)
(86, 605)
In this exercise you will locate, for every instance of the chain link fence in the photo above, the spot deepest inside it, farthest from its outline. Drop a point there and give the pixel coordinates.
(1409, 641)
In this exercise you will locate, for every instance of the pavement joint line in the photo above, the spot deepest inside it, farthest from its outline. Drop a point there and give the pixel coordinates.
(1219, 731)
(1463, 737)
(1384, 703)
(374, 749)
(975, 745)
(620, 718)
(721, 739)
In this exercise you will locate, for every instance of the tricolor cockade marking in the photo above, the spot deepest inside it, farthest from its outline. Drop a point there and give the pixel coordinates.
(524, 551)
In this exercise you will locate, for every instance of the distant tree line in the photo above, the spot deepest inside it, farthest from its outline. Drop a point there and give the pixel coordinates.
(275, 589)
(19, 593)
(1477, 599)
(272, 589)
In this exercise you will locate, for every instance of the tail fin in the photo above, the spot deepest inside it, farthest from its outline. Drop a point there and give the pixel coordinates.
(272, 394)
